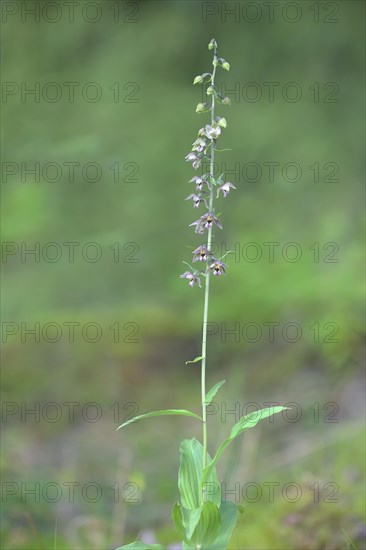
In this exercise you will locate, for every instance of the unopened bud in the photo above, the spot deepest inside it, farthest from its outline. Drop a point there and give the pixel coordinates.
(198, 79)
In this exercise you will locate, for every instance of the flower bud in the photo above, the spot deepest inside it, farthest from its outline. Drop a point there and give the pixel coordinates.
(198, 79)
(226, 66)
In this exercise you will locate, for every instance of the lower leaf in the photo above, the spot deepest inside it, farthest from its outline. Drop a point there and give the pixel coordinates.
(192, 490)
(229, 513)
(229, 516)
(180, 527)
(208, 526)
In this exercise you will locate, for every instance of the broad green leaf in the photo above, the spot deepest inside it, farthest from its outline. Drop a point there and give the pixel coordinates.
(229, 517)
(229, 513)
(213, 391)
(177, 515)
(190, 520)
(197, 526)
(208, 526)
(195, 360)
(246, 422)
(190, 473)
(190, 480)
(166, 412)
(137, 545)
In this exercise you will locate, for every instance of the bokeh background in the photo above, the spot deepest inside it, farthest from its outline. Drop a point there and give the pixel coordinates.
(109, 124)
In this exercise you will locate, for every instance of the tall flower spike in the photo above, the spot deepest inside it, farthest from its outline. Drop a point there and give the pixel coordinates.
(204, 147)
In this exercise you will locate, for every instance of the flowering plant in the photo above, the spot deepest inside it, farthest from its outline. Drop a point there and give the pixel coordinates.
(202, 519)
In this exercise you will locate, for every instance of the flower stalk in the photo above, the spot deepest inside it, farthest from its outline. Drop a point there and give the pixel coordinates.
(207, 280)
(204, 148)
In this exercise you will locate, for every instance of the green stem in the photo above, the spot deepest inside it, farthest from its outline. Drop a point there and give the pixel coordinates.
(207, 287)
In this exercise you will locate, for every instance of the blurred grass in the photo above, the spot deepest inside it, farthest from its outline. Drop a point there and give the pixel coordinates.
(162, 54)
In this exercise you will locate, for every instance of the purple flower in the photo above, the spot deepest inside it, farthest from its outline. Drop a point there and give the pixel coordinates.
(193, 279)
(199, 182)
(196, 200)
(218, 267)
(205, 222)
(195, 159)
(212, 132)
(199, 145)
(225, 188)
(202, 254)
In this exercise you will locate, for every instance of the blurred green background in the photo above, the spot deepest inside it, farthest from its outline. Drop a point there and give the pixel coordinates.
(125, 130)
